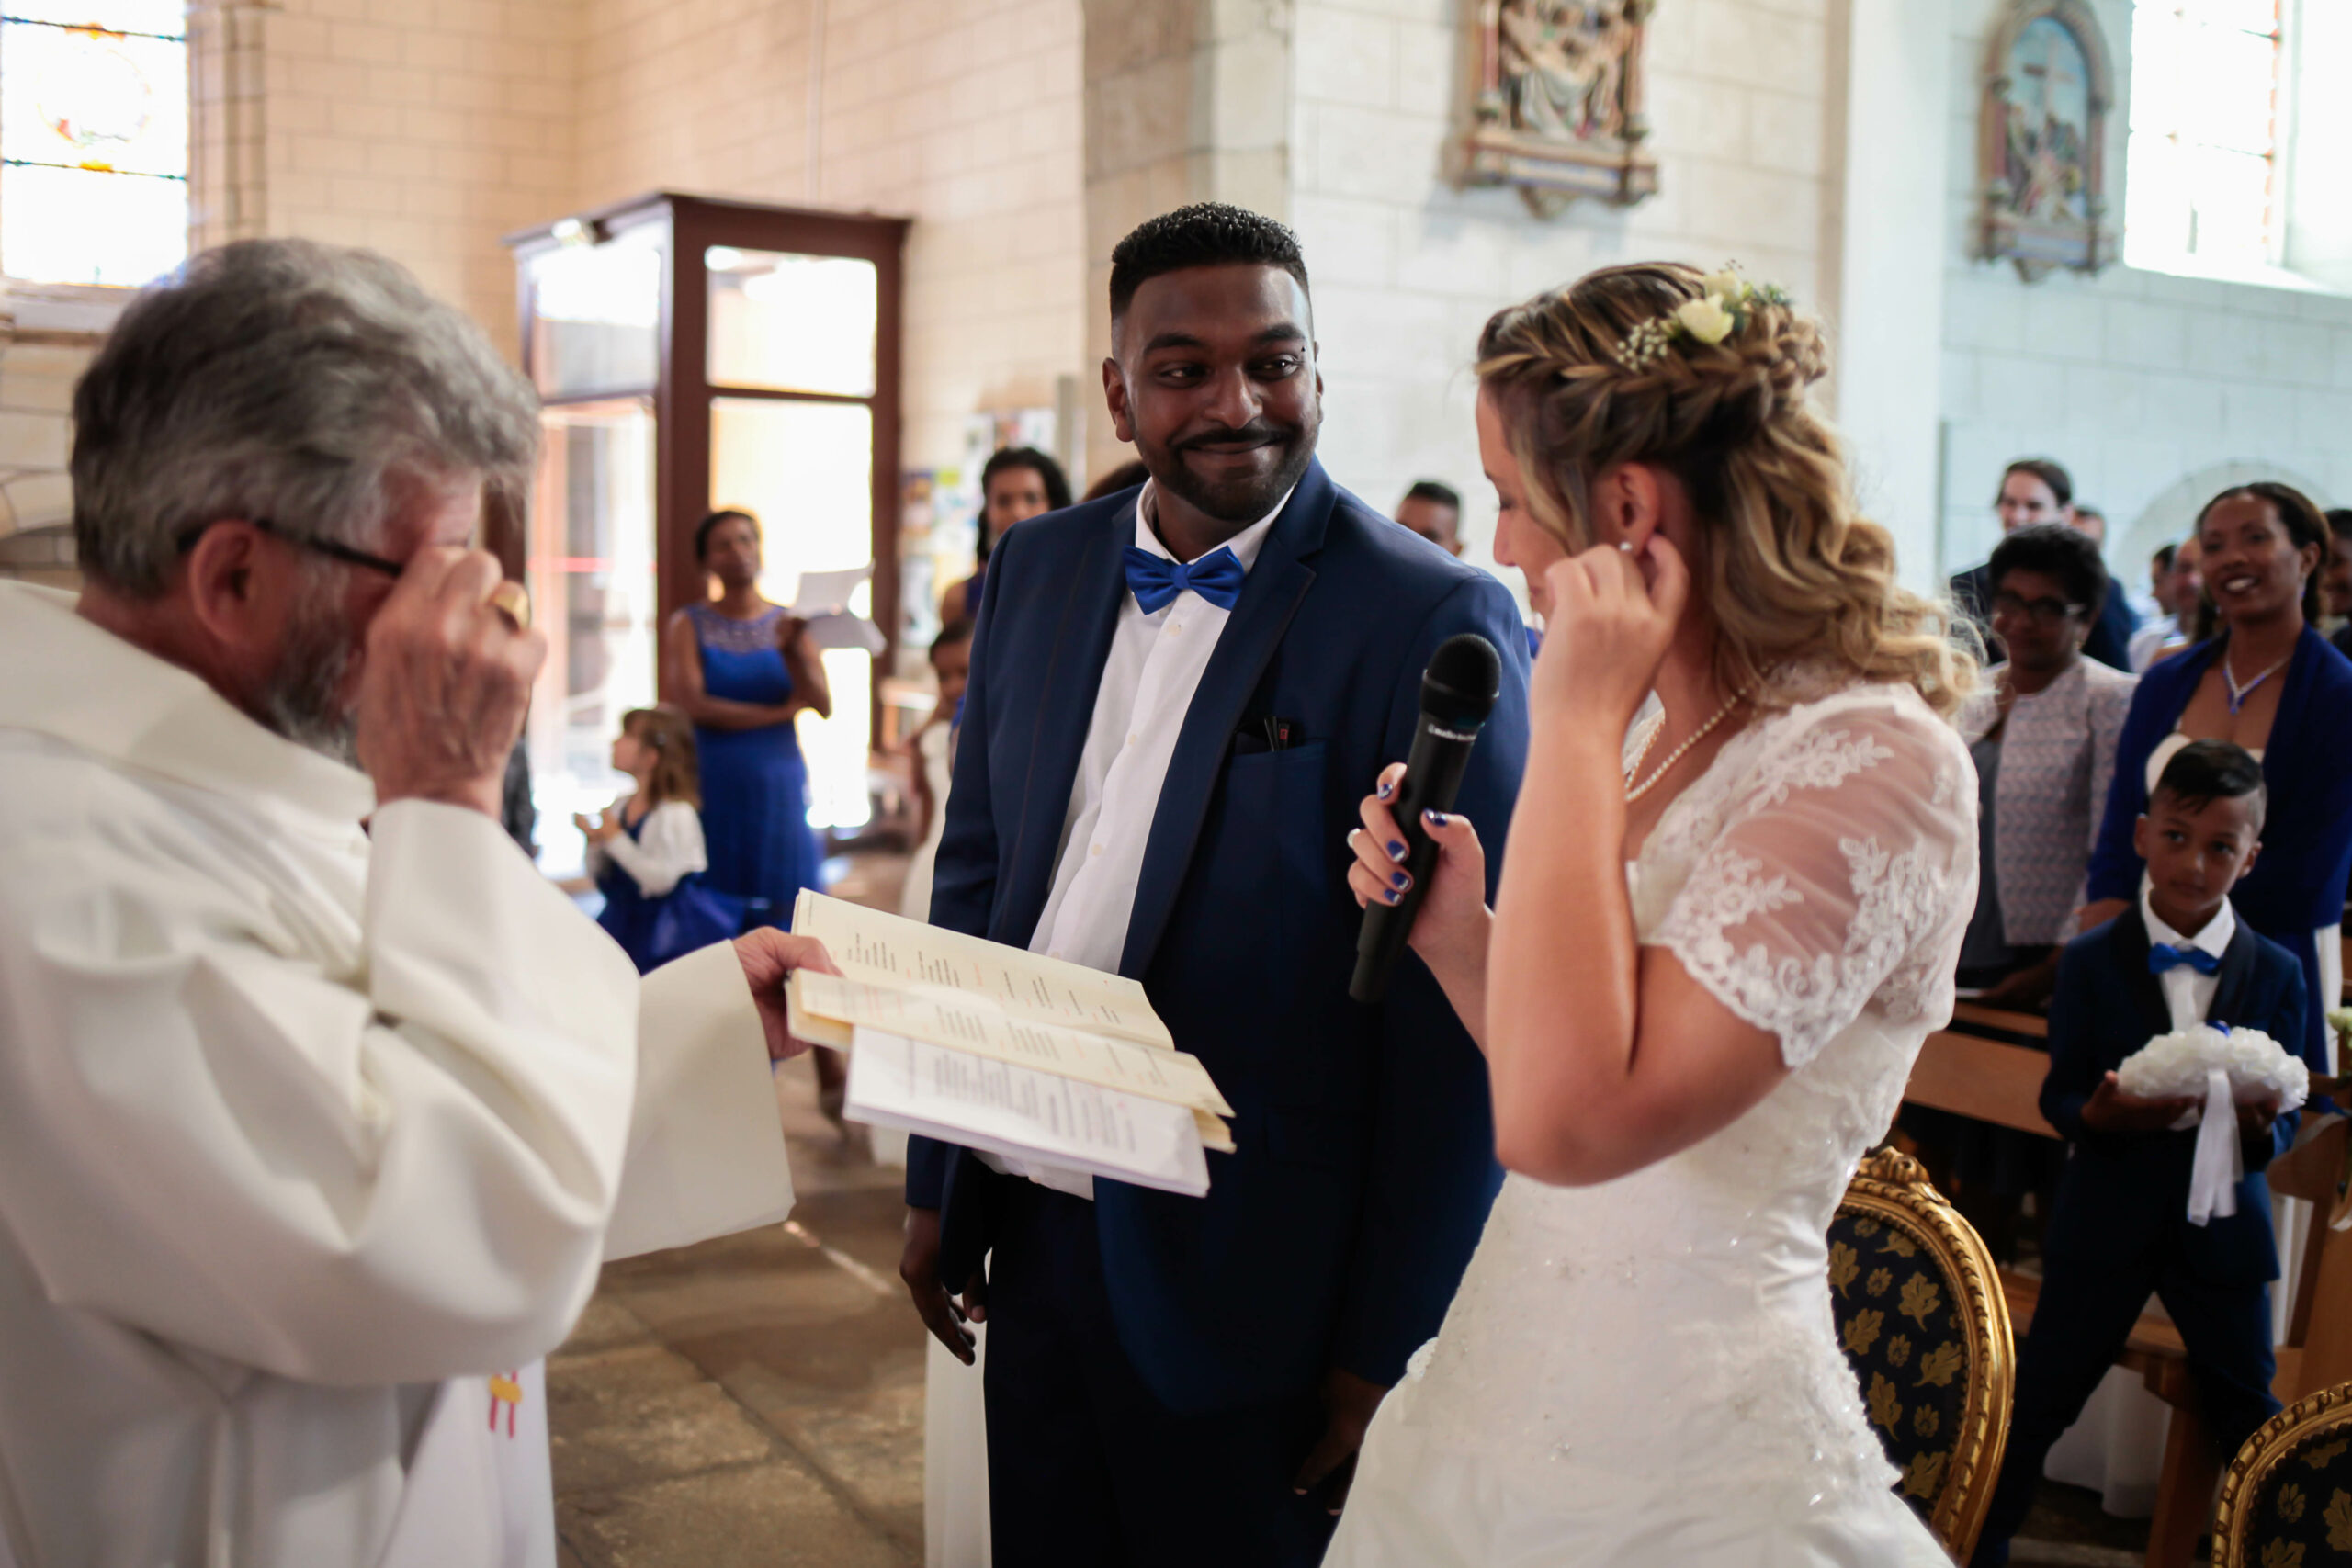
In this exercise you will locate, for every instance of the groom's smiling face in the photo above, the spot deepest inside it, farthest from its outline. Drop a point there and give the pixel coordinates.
(1213, 379)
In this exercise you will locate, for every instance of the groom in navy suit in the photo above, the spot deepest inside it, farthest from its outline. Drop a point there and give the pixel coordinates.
(1178, 695)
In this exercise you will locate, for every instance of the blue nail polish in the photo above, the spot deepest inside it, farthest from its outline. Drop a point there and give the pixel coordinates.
(1402, 881)
(1389, 893)
(1437, 818)
(1387, 790)
(1395, 849)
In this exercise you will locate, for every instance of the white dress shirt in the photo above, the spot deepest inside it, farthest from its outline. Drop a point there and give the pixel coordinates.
(312, 1139)
(1154, 667)
(2188, 994)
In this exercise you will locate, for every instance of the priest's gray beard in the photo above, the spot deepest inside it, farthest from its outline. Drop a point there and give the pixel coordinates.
(305, 700)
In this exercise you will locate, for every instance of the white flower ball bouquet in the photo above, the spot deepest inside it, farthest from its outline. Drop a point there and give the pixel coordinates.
(2174, 1066)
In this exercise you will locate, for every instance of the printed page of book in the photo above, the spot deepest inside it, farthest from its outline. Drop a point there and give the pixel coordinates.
(1022, 1114)
(939, 1017)
(896, 954)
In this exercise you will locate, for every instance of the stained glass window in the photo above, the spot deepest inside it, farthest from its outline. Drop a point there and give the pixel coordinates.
(2202, 185)
(93, 140)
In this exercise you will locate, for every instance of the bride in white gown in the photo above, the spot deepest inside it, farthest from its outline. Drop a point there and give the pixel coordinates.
(1714, 953)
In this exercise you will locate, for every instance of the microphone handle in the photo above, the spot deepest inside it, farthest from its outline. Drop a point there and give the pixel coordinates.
(1433, 777)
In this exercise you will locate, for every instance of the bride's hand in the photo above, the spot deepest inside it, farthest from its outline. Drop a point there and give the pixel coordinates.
(1449, 927)
(1613, 616)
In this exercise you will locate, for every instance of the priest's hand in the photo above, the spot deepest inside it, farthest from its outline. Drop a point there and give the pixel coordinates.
(1349, 1403)
(769, 957)
(942, 1313)
(445, 683)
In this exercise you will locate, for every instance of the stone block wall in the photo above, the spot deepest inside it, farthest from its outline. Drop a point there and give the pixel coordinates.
(963, 114)
(422, 129)
(2155, 392)
(1408, 268)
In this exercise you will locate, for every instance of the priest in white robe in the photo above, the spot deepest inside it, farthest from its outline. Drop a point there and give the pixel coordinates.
(319, 1107)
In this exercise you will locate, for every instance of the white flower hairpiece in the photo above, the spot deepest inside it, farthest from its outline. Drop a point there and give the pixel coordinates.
(1725, 304)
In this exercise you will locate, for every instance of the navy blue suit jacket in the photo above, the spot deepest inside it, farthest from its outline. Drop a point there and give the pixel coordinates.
(2298, 883)
(1337, 1233)
(2125, 1193)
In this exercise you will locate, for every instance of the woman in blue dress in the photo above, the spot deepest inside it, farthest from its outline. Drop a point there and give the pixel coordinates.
(743, 669)
(2271, 684)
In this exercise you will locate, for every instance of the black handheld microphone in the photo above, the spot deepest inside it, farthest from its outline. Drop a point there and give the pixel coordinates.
(1458, 691)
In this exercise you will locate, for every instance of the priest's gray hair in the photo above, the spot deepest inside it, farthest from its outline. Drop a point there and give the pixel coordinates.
(312, 386)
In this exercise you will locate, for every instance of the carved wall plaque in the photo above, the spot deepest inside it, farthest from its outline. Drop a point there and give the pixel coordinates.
(1557, 107)
(2042, 139)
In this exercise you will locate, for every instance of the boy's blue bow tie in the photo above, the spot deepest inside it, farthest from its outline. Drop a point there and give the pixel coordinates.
(2162, 957)
(1156, 581)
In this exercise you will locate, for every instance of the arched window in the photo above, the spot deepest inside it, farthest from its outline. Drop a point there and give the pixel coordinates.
(94, 135)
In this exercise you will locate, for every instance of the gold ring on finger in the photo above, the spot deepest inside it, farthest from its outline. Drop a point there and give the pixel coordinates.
(513, 600)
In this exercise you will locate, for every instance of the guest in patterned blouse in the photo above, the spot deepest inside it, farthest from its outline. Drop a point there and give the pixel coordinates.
(2042, 730)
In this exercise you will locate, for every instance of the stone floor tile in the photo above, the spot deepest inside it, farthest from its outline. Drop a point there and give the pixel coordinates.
(640, 1413)
(765, 1515)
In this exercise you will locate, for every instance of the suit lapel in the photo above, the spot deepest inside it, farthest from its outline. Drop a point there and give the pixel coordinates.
(2232, 979)
(1270, 597)
(1064, 712)
(2131, 950)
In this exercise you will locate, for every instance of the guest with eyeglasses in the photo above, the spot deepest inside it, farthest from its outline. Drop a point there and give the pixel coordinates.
(2042, 731)
(2268, 681)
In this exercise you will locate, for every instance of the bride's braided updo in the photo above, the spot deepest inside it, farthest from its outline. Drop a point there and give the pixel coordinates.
(1786, 569)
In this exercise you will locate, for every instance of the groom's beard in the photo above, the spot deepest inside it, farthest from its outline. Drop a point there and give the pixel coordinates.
(304, 700)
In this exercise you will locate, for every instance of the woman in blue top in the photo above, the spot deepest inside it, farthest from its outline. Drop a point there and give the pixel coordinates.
(2270, 682)
(742, 669)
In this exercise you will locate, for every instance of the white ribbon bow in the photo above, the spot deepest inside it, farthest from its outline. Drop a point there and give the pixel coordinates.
(2213, 1178)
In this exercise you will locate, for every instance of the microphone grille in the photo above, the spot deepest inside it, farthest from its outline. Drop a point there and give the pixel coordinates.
(1464, 676)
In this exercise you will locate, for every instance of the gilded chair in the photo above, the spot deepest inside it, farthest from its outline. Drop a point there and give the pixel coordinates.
(2287, 1499)
(1923, 1321)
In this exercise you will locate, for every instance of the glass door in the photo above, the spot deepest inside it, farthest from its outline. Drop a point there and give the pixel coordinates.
(590, 570)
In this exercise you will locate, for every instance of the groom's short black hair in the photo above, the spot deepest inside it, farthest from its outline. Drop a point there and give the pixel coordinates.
(2206, 771)
(1207, 233)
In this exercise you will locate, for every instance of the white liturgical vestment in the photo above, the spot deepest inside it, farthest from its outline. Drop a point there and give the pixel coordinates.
(312, 1142)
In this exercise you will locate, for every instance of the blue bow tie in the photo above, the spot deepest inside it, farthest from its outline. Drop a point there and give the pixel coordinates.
(2161, 958)
(1156, 581)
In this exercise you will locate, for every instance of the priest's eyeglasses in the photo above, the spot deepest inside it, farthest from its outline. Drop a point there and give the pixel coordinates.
(327, 547)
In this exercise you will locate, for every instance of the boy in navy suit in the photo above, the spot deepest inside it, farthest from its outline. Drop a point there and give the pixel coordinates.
(2121, 1227)
(1178, 695)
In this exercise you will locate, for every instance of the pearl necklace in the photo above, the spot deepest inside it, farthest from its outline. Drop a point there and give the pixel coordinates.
(1634, 791)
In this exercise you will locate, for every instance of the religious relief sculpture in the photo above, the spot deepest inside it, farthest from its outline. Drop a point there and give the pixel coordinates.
(1558, 106)
(2042, 143)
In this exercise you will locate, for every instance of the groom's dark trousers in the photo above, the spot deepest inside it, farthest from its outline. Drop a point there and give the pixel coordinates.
(1155, 1360)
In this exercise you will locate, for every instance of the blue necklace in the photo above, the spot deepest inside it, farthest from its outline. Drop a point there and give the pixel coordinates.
(2238, 693)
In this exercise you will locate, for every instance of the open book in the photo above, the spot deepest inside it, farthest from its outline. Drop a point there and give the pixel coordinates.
(996, 1048)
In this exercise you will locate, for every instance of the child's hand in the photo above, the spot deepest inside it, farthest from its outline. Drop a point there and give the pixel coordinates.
(2110, 1110)
(2255, 1119)
(596, 829)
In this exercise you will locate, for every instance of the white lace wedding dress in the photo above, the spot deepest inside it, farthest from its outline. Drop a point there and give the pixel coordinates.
(1644, 1373)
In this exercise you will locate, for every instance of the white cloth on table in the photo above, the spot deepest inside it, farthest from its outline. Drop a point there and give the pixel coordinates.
(1816, 880)
(311, 1143)
(667, 850)
(1155, 666)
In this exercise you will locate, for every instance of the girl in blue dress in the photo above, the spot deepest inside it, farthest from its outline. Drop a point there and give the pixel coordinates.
(741, 670)
(646, 852)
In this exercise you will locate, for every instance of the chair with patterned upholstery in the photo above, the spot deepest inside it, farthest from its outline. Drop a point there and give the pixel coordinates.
(2287, 1500)
(1923, 1321)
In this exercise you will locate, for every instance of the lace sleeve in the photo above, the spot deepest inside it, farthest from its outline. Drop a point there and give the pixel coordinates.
(1843, 873)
